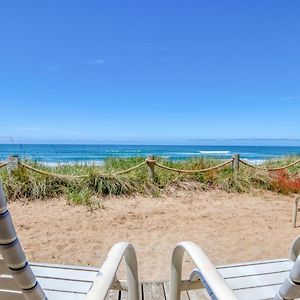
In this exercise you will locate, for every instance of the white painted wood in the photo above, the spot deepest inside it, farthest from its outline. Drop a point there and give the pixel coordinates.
(54, 295)
(256, 262)
(60, 266)
(254, 269)
(257, 280)
(259, 293)
(65, 285)
(64, 273)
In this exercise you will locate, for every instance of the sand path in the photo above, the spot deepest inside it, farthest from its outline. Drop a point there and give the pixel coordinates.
(230, 228)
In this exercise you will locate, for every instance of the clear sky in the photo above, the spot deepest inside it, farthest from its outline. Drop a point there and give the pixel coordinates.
(149, 71)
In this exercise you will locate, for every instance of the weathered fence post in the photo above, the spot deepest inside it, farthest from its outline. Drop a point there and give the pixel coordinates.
(151, 163)
(12, 163)
(236, 163)
(295, 212)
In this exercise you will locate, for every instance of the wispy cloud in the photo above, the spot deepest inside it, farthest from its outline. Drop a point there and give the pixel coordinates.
(101, 61)
(290, 98)
(98, 61)
(152, 47)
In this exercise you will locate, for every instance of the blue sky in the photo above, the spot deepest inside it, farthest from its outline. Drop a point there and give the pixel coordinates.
(149, 71)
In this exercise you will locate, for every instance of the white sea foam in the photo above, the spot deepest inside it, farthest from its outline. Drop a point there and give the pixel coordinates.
(184, 153)
(255, 161)
(214, 152)
(70, 163)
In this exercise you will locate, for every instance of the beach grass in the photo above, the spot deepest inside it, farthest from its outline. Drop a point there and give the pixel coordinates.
(100, 181)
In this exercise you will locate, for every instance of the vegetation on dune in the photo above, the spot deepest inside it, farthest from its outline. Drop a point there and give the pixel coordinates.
(102, 180)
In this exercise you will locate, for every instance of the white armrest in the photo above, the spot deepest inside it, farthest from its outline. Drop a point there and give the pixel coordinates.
(295, 248)
(107, 273)
(210, 275)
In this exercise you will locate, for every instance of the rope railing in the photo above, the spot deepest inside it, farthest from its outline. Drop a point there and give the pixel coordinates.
(3, 164)
(151, 163)
(63, 176)
(42, 172)
(193, 171)
(130, 169)
(270, 169)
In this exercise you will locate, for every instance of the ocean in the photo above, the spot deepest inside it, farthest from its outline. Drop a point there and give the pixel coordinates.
(65, 154)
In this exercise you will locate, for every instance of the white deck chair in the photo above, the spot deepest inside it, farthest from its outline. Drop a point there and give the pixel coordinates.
(18, 280)
(276, 279)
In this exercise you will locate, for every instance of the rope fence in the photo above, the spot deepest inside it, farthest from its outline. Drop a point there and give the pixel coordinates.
(13, 162)
(193, 171)
(42, 172)
(270, 169)
(3, 164)
(130, 169)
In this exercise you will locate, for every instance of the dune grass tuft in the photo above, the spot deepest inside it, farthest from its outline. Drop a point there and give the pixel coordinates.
(101, 181)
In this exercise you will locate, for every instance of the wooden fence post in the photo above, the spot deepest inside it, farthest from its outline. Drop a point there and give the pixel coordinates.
(12, 163)
(295, 212)
(236, 163)
(151, 163)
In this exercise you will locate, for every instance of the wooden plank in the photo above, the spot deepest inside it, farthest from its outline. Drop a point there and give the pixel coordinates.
(56, 295)
(74, 280)
(62, 273)
(120, 295)
(65, 285)
(61, 266)
(257, 280)
(124, 295)
(183, 296)
(198, 294)
(259, 293)
(153, 291)
(255, 262)
(113, 295)
(255, 269)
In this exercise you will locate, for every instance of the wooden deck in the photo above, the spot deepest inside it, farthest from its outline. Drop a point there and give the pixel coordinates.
(256, 280)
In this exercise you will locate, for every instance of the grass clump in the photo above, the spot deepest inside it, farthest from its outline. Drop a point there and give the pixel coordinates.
(100, 181)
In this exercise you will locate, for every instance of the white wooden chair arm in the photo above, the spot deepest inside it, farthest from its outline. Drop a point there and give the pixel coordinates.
(211, 276)
(295, 248)
(107, 273)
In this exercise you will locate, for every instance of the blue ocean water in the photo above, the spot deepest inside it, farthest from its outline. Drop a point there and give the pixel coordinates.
(54, 154)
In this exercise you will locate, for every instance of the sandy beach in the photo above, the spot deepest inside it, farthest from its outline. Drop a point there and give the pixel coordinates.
(230, 227)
